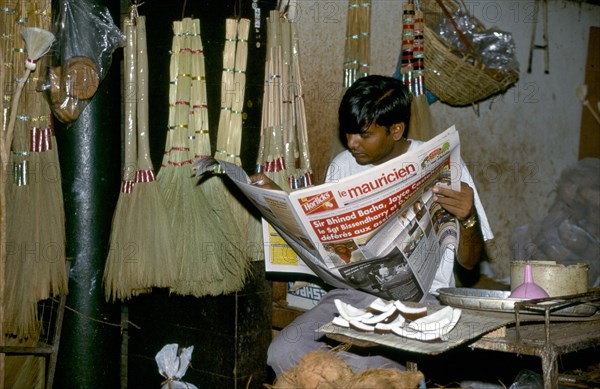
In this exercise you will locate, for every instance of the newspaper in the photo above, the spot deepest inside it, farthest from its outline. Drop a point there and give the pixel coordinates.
(378, 230)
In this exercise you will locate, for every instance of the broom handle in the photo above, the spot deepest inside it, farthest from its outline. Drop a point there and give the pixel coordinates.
(144, 162)
(130, 102)
(460, 34)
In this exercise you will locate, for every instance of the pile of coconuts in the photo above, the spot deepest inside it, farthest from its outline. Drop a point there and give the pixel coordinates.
(324, 370)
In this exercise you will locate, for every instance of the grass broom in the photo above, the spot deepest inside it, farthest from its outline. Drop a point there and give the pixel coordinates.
(223, 266)
(176, 179)
(221, 255)
(122, 258)
(49, 229)
(234, 134)
(20, 304)
(157, 265)
(227, 86)
(28, 371)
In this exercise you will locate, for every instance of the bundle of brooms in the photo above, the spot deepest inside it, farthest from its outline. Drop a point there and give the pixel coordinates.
(141, 248)
(235, 227)
(201, 213)
(283, 152)
(33, 225)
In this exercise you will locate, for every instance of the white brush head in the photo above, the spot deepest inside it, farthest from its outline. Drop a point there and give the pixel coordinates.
(37, 43)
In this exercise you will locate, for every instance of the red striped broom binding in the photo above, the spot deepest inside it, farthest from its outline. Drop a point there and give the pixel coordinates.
(412, 71)
(141, 254)
(283, 152)
(357, 44)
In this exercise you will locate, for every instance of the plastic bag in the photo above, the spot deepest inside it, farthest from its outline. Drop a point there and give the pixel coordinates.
(173, 364)
(527, 379)
(570, 232)
(86, 38)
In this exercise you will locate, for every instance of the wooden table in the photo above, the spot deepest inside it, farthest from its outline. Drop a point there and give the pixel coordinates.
(522, 334)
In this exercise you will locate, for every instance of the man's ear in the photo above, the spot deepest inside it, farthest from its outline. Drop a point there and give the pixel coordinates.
(397, 131)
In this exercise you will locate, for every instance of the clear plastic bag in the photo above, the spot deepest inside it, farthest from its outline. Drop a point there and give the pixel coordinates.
(527, 379)
(570, 232)
(172, 364)
(86, 38)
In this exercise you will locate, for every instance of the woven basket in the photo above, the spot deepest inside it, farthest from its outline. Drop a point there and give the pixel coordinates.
(456, 77)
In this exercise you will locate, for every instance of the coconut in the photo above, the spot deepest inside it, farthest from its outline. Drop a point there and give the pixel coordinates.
(385, 378)
(322, 370)
(286, 380)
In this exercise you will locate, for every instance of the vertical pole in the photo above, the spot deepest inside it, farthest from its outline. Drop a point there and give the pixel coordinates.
(89, 149)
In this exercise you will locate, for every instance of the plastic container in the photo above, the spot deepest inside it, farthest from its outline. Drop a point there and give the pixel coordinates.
(528, 289)
(556, 279)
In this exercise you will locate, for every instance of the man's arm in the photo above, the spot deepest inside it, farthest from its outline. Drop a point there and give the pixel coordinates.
(261, 180)
(461, 204)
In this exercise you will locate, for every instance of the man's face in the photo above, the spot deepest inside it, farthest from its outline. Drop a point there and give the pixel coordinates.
(374, 146)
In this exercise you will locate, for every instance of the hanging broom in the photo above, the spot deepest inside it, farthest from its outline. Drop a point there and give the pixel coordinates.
(157, 265)
(273, 162)
(44, 234)
(290, 151)
(227, 86)
(420, 127)
(176, 179)
(122, 259)
(234, 133)
(20, 316)
(303, 177)
(222, 265)
(199, 99)
(357, 44)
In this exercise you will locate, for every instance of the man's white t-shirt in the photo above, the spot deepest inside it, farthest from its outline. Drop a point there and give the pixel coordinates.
(344, 165)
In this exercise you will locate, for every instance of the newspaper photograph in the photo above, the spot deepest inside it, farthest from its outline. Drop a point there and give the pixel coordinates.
(378, 230)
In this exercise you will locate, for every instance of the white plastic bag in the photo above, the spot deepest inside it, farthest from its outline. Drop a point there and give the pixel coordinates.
(173, 364)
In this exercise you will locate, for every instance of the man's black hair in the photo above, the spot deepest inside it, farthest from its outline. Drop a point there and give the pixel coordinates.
(374, 99)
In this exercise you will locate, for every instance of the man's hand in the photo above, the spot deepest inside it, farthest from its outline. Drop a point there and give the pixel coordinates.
(261, 180)
(460, 204)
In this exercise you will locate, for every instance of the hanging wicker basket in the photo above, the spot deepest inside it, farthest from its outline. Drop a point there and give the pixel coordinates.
(457, 77)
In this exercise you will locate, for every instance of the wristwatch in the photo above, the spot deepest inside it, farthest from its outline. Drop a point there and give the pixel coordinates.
(470, 222)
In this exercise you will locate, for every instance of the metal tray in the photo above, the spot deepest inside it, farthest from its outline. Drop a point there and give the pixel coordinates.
(498, 301)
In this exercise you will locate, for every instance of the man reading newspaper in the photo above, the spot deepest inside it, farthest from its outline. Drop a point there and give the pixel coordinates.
(374, 115)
